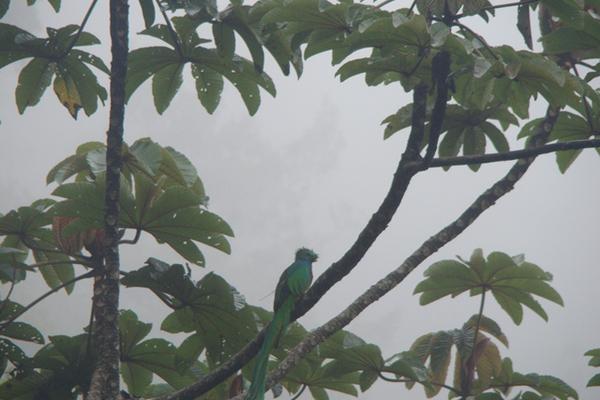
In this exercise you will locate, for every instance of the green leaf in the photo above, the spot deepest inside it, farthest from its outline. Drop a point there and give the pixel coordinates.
(441, 345)
(367, 379)
(57, 274)
(209, 86)
(512, 307)
(512, 284)
(496, 136)
(236, 17)
(4, 4)
(488, 325)
(22, 331)
(91, 59)
(148, 12)
(524, 24)
(188, 352)
(136, 378)
(145, 62)
(165, 85)
(34, 79)
(594, 381)
(568, 11)
(240, 72)
(55, 4)
(224, 39)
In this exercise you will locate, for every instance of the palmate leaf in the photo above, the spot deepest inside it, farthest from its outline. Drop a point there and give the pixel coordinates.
(275, 39)
(62, 368)
(75, 84)
(172, 214)
(27, 227)
(546, 386)
(141, 359)
(469, 129)
(209, 66)
(211, 307)
(512, 285)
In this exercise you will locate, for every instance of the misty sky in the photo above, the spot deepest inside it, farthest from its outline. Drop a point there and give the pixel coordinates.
(309, 170)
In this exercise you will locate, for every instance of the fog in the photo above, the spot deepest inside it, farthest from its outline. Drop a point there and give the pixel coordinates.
(309, 170)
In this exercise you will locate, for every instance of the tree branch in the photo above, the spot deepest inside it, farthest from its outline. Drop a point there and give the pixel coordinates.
(433, 244)
(515, 154)
(171, 30)
(80, 30)
(377, 224)
(88, 274)
(104, 384)
(440, 70)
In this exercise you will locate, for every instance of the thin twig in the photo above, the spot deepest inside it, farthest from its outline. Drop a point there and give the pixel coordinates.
(138, 233)
(424, 383)
(172, 32)
(489, 8)
(411, 8)
(297, 395)
(515, 154)
(88, 274)
(385, 2)
(466, 389)
(80, 30)
(587, 65)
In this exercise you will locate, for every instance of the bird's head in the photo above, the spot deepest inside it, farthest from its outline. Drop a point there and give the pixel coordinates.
(306, 254)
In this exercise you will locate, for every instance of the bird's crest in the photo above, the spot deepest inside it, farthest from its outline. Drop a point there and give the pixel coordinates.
(306, 254)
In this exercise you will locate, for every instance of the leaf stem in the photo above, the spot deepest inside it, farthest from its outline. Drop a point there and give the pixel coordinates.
(88, 274)
(424, 383)
(586, 105)
(297, 395)
(385, 2)
(172, 32)
(135, 239)
(80, 30)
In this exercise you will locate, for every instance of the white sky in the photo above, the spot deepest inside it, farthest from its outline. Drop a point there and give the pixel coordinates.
(308, 170)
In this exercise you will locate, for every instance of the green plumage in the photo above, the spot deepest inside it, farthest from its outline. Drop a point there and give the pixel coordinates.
(294, 281)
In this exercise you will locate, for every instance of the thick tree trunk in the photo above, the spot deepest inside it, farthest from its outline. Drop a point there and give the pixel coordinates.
(105, 378)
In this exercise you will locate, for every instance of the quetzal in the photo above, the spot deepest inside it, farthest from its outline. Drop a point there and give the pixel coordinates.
(294, 281)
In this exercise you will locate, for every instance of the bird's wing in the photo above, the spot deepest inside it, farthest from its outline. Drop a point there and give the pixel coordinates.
(282, 291)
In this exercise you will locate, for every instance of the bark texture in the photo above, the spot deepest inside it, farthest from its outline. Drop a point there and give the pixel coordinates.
(104, 384)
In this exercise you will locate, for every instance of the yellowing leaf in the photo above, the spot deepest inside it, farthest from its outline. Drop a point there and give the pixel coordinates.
(67, 93)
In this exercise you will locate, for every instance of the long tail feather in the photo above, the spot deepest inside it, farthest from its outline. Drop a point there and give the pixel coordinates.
(276, 329)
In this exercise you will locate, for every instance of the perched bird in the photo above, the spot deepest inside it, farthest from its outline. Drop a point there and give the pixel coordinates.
(294, 281)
